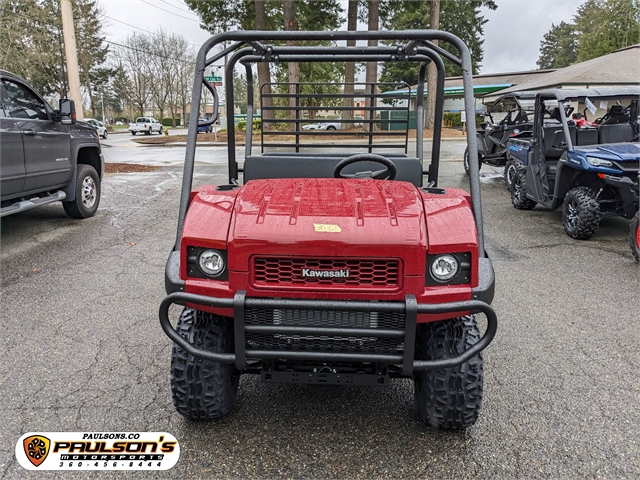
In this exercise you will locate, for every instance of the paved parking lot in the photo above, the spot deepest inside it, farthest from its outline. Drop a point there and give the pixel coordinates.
(82, 350)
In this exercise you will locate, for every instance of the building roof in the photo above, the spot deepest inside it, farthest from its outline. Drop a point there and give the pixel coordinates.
(483, 84)
(599, 93)
(621, 67)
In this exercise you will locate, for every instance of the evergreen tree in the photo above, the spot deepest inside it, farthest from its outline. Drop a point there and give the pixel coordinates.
(558, 48)
(460, 17)
(605, 26)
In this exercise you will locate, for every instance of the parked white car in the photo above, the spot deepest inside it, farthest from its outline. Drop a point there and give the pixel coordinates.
(146, 125)
(99, 126)
(331, 125)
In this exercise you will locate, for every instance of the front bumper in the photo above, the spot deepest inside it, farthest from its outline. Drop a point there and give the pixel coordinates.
(409, 308)
(628, 191)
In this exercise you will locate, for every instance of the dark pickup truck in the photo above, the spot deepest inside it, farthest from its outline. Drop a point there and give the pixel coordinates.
(45, 156)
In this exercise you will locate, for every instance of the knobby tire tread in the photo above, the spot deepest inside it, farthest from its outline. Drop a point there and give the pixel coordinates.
(201, 389)
(449, 399)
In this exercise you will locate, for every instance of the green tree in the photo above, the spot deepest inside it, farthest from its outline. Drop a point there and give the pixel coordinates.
(460, 17)
(558, 47)
(31, 44)
(605, 26)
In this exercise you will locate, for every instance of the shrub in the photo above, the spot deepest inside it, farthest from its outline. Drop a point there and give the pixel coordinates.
(168, 122)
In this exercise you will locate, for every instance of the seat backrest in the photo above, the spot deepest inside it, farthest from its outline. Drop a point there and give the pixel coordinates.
(308, 166)
(549, 131)
(618, 133)
(587, 136)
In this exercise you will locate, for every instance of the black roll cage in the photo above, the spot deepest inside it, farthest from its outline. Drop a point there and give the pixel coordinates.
(250, 47)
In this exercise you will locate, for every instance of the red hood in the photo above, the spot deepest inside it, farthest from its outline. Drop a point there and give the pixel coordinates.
(328, 218)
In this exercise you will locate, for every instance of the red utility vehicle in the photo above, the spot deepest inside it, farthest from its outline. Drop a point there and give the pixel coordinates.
(337, 268)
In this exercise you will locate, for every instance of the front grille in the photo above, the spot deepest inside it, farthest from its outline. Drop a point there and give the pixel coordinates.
(324, 318)
(632, 165)
(364, 273)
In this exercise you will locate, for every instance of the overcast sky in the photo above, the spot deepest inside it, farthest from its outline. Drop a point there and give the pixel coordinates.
(512, 34)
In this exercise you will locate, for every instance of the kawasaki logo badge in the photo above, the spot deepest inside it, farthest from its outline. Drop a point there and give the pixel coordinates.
(308, 273)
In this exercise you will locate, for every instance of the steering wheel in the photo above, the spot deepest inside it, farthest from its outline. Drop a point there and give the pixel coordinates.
(388, 173)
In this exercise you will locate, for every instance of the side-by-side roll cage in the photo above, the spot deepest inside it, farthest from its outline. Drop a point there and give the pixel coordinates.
(251, 47)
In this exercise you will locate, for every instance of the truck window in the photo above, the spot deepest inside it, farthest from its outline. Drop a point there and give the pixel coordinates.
(23, 103)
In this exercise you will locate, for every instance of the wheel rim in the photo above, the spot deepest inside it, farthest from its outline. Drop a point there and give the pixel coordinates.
(572, 214)
(88, 192)
(511, 171)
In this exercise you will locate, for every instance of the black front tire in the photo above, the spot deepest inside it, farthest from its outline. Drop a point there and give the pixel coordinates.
(133, 133)
(105, 135)
(466, 161)
(203, 390)
(580, 213)
(331, 128)
(519, 191)
(449, 398)
(634, 236)
(87, 193)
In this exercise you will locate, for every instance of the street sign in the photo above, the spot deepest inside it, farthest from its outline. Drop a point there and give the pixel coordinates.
(210, 78)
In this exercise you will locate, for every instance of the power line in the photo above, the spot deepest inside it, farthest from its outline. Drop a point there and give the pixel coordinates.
(168, 11)
(146, 52)
(178, 8)
(141, 29)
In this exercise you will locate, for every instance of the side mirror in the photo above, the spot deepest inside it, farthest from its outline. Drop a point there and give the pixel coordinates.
(67, 111)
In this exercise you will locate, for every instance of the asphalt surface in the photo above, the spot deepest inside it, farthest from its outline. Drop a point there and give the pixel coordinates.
(82, 350)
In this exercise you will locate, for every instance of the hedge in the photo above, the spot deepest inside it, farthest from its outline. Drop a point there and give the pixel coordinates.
(168, 122)
(454, 119)
(242, 125)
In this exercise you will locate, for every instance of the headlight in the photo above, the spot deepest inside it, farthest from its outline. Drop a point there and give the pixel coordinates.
(211, 262)
(444, 268)
(599, 162)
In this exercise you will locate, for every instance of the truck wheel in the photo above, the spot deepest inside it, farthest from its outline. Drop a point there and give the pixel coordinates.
(580, 213)
(148, 132)
(449, 398)
(518, 191)
(466, 161)
(87, 193)
(509, 173)
(634, 236)
(201, 389)
(133, 133)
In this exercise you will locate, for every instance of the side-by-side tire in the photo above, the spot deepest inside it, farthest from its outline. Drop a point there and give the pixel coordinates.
(449, 398)
(466, 161)
(519, 191)
(634, 236)
(87, 193)
(510, 169)
(203, 390)
(580, 213)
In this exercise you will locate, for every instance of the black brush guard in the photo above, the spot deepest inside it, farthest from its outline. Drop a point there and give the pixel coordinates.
(409, 308)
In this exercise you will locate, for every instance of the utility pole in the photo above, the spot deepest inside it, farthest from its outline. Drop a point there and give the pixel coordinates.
(102, 101)
(432, 71)
(68, 32)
